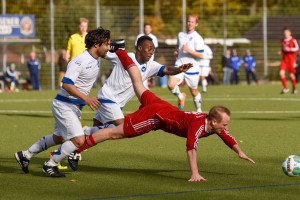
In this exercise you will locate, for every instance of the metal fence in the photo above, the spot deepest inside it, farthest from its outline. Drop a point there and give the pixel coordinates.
(221, 23)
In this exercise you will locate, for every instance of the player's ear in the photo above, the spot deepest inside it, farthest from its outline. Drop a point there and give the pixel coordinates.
(139, 48)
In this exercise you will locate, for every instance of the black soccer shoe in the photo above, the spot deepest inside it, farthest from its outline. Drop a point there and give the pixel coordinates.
(23, 161)
(52, 171)
(73, 160)
(117, 44)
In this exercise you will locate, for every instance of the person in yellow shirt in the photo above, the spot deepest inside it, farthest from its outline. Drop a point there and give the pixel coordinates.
(76, 43)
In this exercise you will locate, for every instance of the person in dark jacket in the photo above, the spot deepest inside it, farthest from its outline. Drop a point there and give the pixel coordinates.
(34, 66)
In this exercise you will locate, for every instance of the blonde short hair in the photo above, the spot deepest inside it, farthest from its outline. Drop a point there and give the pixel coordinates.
(83, 20)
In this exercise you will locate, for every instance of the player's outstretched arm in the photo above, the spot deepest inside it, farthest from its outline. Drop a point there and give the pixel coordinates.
(192, 159)
(241, 154)
(177, 70)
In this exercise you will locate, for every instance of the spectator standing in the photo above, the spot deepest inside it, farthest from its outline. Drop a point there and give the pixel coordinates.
(226, 67)
(235, 63)
(34, 67)
(148, 32)
(249, 63)
(76, 43)
(62, 65)
(298, 68)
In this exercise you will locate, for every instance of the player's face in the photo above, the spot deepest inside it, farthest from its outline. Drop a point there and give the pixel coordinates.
(191, 24)
(83, 26)
(218, 127)
(147, 30)
(146, 50)
(103, 49)
(287, 33)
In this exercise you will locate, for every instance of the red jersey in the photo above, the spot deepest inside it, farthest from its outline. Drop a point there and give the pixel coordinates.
(157, 114)
(289, 49)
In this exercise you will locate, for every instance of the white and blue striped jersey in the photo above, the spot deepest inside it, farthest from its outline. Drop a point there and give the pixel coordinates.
(208, 55)
(118, 87)
(195, 42)
(82, 72)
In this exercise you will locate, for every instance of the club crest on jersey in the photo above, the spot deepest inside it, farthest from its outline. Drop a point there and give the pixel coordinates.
(143, 69)
(77, 62)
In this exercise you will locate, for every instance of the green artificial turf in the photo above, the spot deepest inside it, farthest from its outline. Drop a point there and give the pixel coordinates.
(154, 166)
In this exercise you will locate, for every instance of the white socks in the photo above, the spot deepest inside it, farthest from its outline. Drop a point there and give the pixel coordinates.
(63, 151)
(198, 101)
(41, 145)
(176, 91)
(90, 130)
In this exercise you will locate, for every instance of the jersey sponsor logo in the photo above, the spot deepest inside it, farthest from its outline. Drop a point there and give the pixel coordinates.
(78, 62)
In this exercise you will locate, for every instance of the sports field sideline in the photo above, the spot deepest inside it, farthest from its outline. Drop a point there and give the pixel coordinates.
(154, 166)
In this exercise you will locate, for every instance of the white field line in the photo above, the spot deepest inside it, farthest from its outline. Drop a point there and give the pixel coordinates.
(167, 99)
(91, 112)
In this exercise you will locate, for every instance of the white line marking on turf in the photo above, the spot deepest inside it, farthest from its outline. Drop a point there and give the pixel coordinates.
(126, 112)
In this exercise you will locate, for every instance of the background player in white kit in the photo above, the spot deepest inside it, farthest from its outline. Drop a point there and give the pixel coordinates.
(118, 89)
(190, 50)
(66, 107)
(205, 68)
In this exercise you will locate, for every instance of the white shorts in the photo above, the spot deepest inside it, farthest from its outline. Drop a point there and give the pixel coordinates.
(191, 79)
(108, 112)
(67, 120)
(204, 71)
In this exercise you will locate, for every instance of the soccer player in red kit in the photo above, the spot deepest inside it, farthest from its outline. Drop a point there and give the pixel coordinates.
(155, 114)
(289, 47)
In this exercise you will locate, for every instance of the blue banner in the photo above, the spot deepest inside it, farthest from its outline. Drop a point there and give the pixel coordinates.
(20, 26)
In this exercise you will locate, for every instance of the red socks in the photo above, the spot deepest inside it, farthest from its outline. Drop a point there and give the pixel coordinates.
(88, 143)
(126, 61)
(283, 81)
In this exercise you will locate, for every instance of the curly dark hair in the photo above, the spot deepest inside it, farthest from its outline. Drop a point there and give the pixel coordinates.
(142, 39)
(97, 36)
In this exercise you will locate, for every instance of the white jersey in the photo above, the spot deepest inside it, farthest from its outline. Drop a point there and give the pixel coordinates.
(208, 55)
(195, 42)
(153, 37)
(82, 72)
(118, 87)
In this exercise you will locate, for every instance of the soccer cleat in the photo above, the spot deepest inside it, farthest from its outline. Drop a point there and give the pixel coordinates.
(23, 161)
(73, 160)
(52, 171)
(285, 90)
(294, 92)
(117, 44)
(181, 102)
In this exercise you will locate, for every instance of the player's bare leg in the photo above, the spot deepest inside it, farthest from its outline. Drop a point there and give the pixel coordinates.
(173, 85)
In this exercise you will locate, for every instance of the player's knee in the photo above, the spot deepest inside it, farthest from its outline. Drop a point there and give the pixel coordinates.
(57, 139)
(78, 141)
(282, 73)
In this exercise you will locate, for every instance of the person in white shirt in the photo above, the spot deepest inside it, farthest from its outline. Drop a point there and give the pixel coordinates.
(80, 76)
(190, 50)
(205, 68)
(118, 88)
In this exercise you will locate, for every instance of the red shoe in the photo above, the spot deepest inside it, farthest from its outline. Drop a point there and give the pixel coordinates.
(181, 102)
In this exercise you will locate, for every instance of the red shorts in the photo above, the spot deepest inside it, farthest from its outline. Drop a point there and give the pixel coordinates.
(145, 119)
(288, 64)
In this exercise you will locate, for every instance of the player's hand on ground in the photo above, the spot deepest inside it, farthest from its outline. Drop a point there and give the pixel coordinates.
(185, 67)
(117, 44)
(242, 155)
(196, 178)
(93, 102)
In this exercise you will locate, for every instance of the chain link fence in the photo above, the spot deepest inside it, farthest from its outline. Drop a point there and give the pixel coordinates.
(240, 23)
